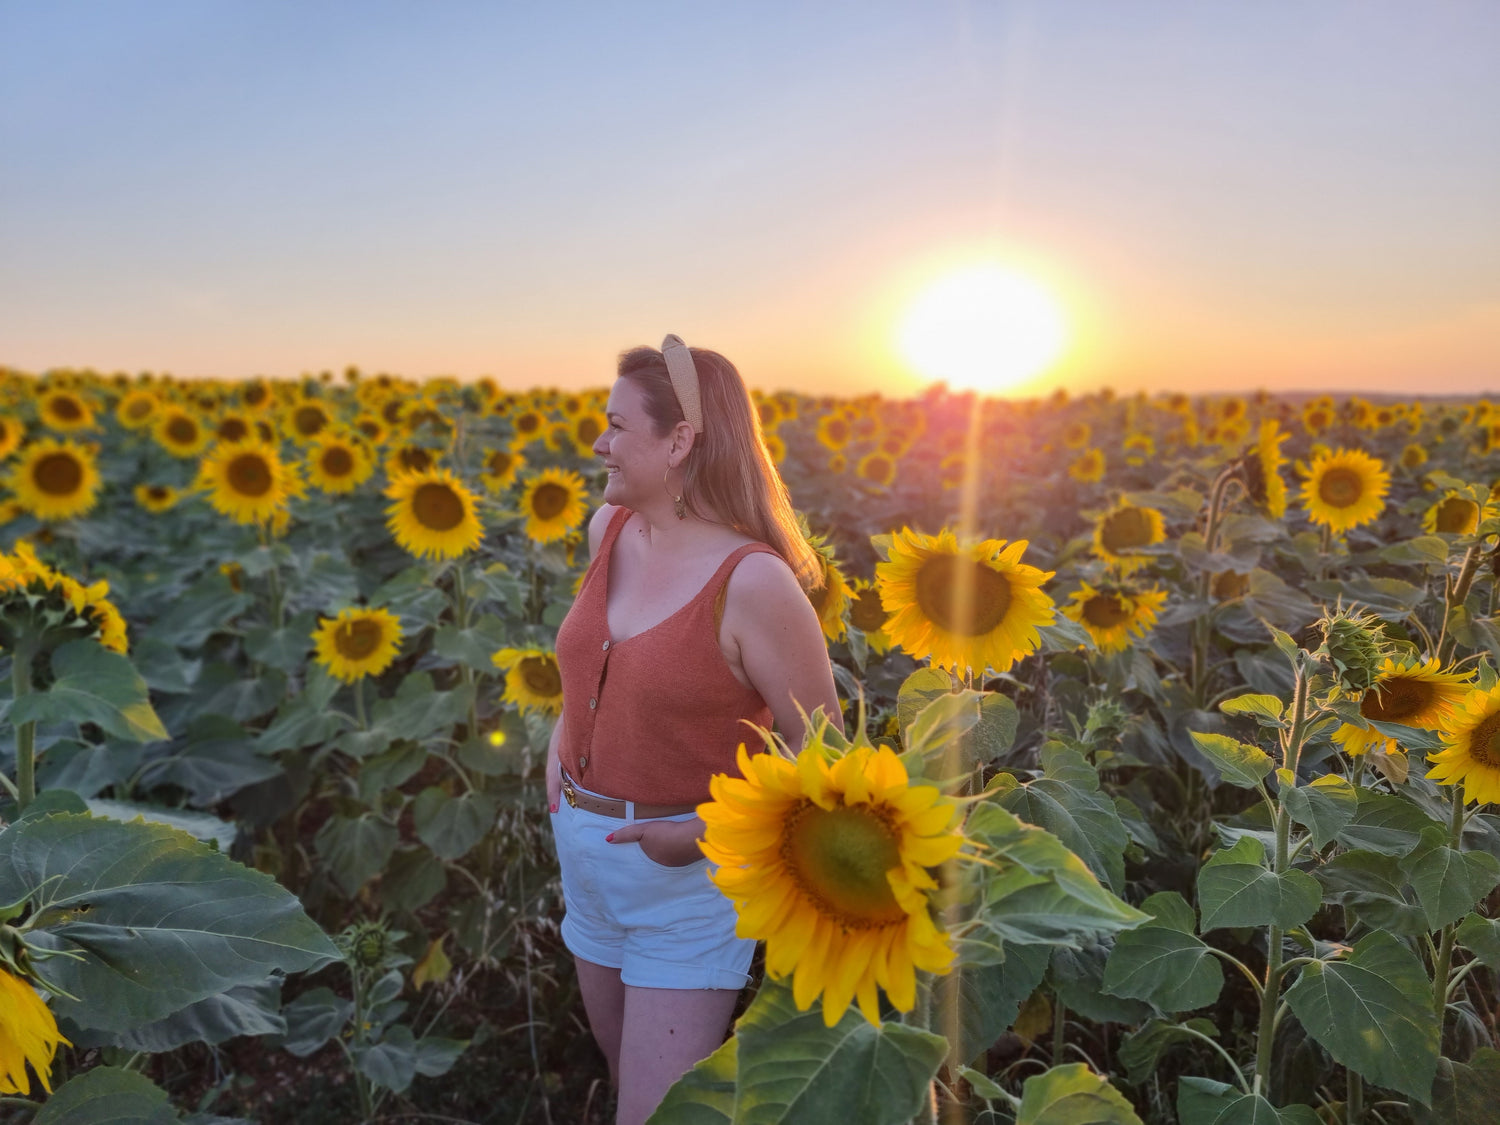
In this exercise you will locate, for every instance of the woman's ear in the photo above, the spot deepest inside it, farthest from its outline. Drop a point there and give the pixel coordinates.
(683, 439)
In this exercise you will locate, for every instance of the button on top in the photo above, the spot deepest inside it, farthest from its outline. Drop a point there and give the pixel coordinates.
(582, 763)
(593, 703)
(606, 646)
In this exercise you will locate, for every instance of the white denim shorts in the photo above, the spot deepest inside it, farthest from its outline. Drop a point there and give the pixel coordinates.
(662, 927)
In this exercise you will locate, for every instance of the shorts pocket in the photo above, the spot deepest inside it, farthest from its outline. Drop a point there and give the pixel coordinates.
(695, 865)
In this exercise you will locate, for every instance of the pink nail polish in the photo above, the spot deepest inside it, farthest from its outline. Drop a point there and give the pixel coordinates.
(552, 808)
(610, 839)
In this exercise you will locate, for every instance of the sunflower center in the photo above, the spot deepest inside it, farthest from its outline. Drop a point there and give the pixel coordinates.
(415, 459)
(528, 423)
(1457, 516)
(66, 409)
(1127, 528)
(541, 676)
(181, 429)
(356, 640)
(839, 858)
(867, 613)
(337, 461)
(588, 430)
(249, 475)
(437, 507)
(1396, 699)
(1484, 742)
(499, 462)
(157, 492)
(1228, 584)
(255, 394)
(1341, 488)
(1255, 479)
(309, 420)
(138, 408)
(549, 499)
(937, 583)
(1105, 611)
(58, 474)
(233, 429)
(875, 468)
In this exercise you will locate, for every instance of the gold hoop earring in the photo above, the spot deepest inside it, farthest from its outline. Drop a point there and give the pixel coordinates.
(678, 507)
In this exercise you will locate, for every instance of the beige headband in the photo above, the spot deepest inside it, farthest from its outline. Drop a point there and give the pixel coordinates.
(684, 376)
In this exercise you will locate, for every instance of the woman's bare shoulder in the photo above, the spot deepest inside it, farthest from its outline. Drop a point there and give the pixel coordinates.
(599, 524)
(763, 579)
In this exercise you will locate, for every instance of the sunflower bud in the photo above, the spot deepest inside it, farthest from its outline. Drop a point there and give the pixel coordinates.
(367, 944)
(1356, 647)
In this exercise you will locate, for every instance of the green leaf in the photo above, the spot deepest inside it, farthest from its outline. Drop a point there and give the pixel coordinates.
(249, 1009)
(162, 920)
(305, 719)
(313, 1019)
(705, 1094)
(1372, 885)
(1448, 882)
(1238, 762)
(1143, 1049)
(203, 827)
(1165, 964)
(919, 690)
(1323, 807)
(417, 711)
(1202, 1101)
(108, 1095)
(209, 607)
(1385, 823)
(436, 1056)
(285, 648)
(1073, 1095)
(215, 759)
(942, 721)
(1236, 889)
(93, 685)
(413, 877)
(1068, 802)
(1261, 706)
(1481, 937)
(450, 826)
(793, 1069)
(1373, 1013)
(1412, 738)
(356, 849)
(1424, 550)
(986, 997)
(392, 1062)
(1466, 1094)
(389, 770)
(473, 646)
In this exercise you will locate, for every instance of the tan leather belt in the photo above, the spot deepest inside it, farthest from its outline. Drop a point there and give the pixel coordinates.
(613, 806)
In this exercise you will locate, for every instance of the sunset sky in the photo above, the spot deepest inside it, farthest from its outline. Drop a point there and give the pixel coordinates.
(1222, 196)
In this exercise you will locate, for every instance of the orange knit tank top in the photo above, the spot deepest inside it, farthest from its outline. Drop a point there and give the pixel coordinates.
(651, 718)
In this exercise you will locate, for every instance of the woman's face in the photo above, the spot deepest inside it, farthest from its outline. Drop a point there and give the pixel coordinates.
(635, 457)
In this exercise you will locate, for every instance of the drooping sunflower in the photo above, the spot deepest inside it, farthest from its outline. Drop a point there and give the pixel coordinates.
(1089, 468)
(338, 464)
(1260, 469)
(828, 862)
(358, 642)
(433, 515)
(962, 606)
(553, 504)
(11, 433)
(137, 409)
(1113, 614)
(55, 480)
(1472, 751)
(1452, 515)
(180, 432)
(831, 599)
(1413, 693)
(532, 681)
(868, 614)
(247, 480)
(65, 411)
(877, 468)
(156, 497)
(28, 1034)
(1120, 534)
(1344, 489)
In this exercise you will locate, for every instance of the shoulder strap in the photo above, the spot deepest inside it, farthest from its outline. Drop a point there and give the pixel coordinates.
(719, 583)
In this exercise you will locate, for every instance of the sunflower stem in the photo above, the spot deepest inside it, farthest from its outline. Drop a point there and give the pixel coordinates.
(465, 672)
(1445, 946)
(1457, 596)
(1201, 624)
(20, 682)
(359, 703)
(1355, 1106)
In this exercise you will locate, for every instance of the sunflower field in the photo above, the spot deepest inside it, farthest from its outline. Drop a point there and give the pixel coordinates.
(1164, 789)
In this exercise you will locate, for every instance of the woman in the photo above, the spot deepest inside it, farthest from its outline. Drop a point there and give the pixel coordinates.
(692, 619)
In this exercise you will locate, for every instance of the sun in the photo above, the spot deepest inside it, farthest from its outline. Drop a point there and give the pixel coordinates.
(985, 328)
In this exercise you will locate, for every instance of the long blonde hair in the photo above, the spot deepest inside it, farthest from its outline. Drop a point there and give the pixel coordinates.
(728, 476)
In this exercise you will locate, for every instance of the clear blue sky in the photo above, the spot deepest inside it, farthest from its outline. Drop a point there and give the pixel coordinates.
(1225, 195)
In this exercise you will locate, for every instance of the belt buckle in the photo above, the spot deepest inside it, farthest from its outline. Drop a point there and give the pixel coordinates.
(568, 792)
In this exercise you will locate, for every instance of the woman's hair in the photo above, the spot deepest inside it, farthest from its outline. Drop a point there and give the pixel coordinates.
(729, 474)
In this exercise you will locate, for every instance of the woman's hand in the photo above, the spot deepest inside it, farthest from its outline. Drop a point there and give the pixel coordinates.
(671, 843)
(553, 769)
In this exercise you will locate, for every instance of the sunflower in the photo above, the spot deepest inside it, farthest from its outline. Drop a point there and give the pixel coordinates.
(877, 468)
(233, 426)
(586, 428)
(951, 470)
(1413, 693)
(1229, 584)
(371, 428)
(1452, 515)
(433, 515)
(1112, 615)
(306, 420)
(828, 862)
(180, 433)
(1089, 468)
(137, 410)
(775, 447)
(868, 614)
(11, 434)
(532, 681)
(1472, 753)
(28, 1034)
(500, 469)
(1077, 435)
(528, 425)
(1414, 456)
(247, 481)
(553, 503)
(834, 431)
(1139, 448)
(55, 480)
(410, 459)
(831, 599)
(156, 497)
(925, 578)
(357, 643)
(1316, 417)
(66, 412)
(338, 464)
(1344, 489)
(1122, 532)
(1260, 469)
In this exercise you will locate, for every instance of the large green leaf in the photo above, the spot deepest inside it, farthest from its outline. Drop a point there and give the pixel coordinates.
(305, 719)
(979, 1002)
(947, 731)
(1386, 823)
(1202, 1101)
(108, 1095)
(1481, 937)
(793, 1069)
(1448, 882)
(313, 1019)
(450, 826)
(93, 685)
(1238, 762)
(201, 826)
(417, 711)
(1068, 802)
(1465, 1093)
(1372, 885)
(705, 1094)
(1264, 708)
(1164, 963)
(356, 849)
(1073, 1095)
(1235, 888)
(1322, 807)
(163, 921)
(1141, 1050)
(215, 759)
(209, 607)
(249, 1009)
(1373, 1013)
